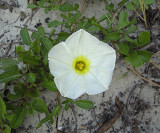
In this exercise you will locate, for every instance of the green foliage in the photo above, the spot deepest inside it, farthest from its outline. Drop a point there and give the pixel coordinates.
(50, 85)
(9, 75)
(2, 109)
(6, 63)
(31, 77)
(124, 48)
(84, 104)
(123, 20)
(25, 36)
(54, 23)
(113, 36)
(31, 80)
(68, 7)
(39, 105)
(144, 38)
(18, 117)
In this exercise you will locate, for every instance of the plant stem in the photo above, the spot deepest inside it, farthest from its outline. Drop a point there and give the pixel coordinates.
(133, 70)
(154, 64)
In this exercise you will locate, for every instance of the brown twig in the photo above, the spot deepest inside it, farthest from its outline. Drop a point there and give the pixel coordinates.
(32, 14)
(133, 70)
(154, 64)
(109, 124)
(83, 5)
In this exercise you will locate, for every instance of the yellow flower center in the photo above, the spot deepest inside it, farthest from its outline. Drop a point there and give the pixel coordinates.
(81, 65)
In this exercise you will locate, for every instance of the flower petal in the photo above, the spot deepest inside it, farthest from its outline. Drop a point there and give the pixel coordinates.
(92, 85)
(77, 88)
(58, 68)
(100, 49)
(61, 54)
(70, 85)
(81, 42)
(106, 61)
(103, 76)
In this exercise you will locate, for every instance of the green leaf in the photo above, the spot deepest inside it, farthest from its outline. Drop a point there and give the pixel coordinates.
(66, 106)
(41, 31)
(7, 129)
(123, 48)
(20, 90)
(31, 77)
(131, 29)
(45, 60)
(13, 97)
(100, 27)
(47, 43)
(145, 55)
(123, 20)
(36, 36)
(144, 38)
(113, 36)
(36, 47)
(51, 33)
(56, 111)
(124, 75)
(25, 36)
(122, 3)
(130, 6)
(109, 7)
(134, 59)
(10, 116)
(18, 118)
(93, 29)
(130, 40)
(20, 49)
(8, 62)
(54, 23)
(74, 17)
(44, 120)
(9, 75)
(28, 59)
(62, 36)
(66, 8)
(76, 6)
(39, 105)
(2, 109)
(149, 2)
(84, 104)
(40, 3)
(102, 18)
(32, 6)
(50, 85)
(34, 92)
(63, 16)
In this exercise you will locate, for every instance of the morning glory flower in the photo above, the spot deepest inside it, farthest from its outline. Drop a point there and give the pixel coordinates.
(81, 64)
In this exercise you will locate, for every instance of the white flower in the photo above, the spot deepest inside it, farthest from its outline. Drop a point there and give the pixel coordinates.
(81, 64)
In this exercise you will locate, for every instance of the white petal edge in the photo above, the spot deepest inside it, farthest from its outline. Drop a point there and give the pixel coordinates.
(77, 88)
(106, 61)
(103, 76)
(70, 85)
(100, 49)
(61, 53)
(91, 85)
(81, 42)
(58, 68)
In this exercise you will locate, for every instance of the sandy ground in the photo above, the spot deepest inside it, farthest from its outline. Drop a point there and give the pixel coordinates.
(137, 105)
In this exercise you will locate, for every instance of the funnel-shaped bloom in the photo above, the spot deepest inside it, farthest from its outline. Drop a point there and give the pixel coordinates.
(81, 64)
